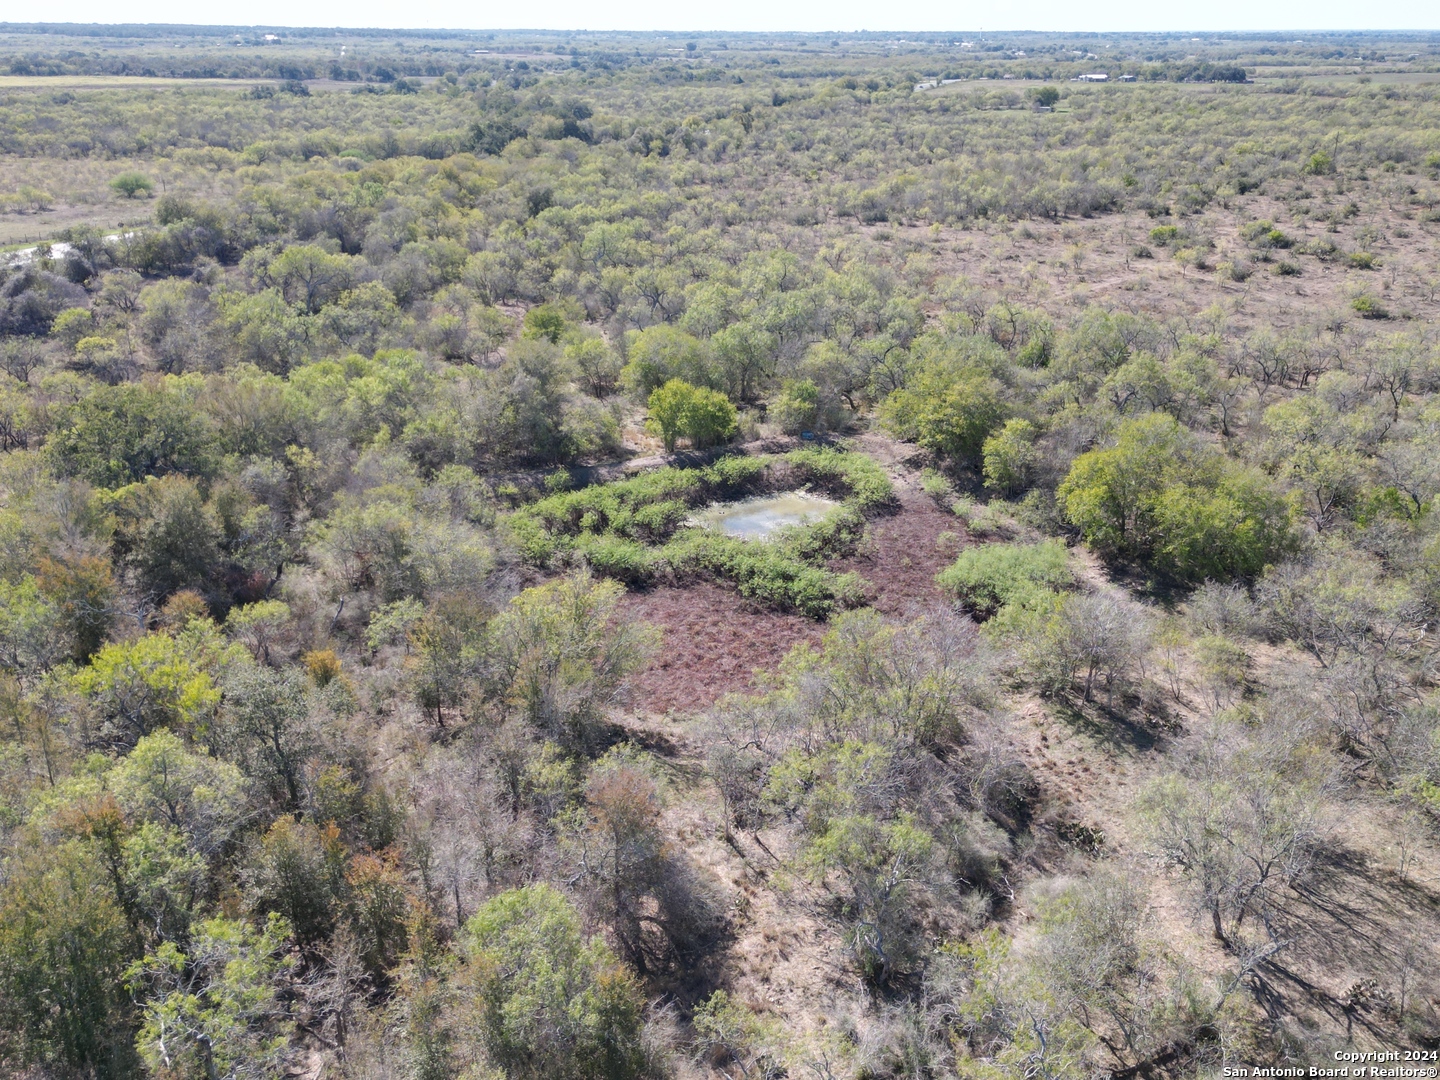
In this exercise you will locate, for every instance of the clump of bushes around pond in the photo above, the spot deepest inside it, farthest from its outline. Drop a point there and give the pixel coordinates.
(635, 530)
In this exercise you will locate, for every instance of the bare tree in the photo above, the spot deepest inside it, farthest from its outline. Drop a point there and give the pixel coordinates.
(1241, 822)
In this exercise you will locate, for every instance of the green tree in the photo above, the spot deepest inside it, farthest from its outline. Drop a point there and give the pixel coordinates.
(132, 185)
(949, 411)
(258, 625)
(597, 363)
(65, 944)
(166, 782)
(552, 1004)
(297, 871)
(310, 277)
(264, 330)
(563, 654)
(449, 649)
(880, 863)
(545, 322)
(839, 795)
(83, 592)
(622, 851)
(661, 353)
(168, 537)
(71, 326)
(31, 640)
(143, 685)
(1161, 496)
(1010, 456)
(708, 419)
(704, 416)
(667, 405)
(122, 434)
(744, 354)
(266, 726)
(212, 1011)
(1235, 529)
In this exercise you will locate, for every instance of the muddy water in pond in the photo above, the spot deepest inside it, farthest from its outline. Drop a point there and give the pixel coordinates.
(756, 519)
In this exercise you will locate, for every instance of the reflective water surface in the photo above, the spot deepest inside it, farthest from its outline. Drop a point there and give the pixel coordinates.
(757, 518)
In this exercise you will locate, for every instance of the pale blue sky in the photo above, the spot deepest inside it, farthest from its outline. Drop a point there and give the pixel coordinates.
(771, 15)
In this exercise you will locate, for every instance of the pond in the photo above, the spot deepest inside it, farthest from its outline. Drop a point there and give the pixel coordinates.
(757, 518)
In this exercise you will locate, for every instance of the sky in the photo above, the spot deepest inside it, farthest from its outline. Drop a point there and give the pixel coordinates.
(766, 15)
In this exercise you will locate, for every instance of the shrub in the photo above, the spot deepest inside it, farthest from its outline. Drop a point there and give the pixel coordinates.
(1160, 496)
(704, 416)
(322, 665)
(618, 558)
(1089, 636)
(132, 185)
(753, 1041)
(551, 1003)
(1368, 306)
(1191, 256)
(1009, 456)
(989, 577)
(947, 411)
(731, 476)
(859, 480)
(938, 487)
(797, 408)
(1322, 249)
(1263, 234)
(1164, 234)
(765, 572)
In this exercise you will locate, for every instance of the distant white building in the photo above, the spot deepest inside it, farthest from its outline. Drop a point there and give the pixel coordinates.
(1093, 76)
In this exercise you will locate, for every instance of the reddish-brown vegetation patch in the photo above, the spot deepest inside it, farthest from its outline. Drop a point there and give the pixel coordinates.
(714, 643)
(903, 553)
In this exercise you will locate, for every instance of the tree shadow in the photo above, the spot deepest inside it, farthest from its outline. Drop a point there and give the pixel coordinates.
(1108, 725)
(1345, 921)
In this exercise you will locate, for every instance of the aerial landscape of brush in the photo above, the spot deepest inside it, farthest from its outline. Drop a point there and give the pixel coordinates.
(641, 556)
